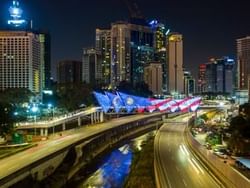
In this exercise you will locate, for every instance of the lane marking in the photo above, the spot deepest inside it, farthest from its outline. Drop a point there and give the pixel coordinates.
(198, 166)
(184, 182)
(195, 168)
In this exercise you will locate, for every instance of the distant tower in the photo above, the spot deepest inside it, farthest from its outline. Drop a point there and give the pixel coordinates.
(20, 61)
(189, 84)
(91, 66)
(243, 62)
(69, 71)
(160, 39)
(201, 78)
(131, 49)
(219, 75)
(15, 13)
(103, 44)
(175, 63)
(153, 77)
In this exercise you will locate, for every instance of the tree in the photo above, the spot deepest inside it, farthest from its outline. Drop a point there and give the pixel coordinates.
(71, 96)
(16, 96)
(6, 119)
(240, 134)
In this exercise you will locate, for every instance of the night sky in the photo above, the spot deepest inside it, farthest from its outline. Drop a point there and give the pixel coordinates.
(209, 27)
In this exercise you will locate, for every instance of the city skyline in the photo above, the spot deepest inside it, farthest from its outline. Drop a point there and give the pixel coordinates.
(209, 29)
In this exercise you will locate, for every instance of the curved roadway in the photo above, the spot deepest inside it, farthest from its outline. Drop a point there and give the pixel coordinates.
(176, 165)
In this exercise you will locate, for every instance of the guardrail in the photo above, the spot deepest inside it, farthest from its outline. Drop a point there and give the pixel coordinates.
(228, 175)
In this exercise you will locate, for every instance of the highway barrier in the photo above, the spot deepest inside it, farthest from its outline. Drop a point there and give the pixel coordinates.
(227, 174)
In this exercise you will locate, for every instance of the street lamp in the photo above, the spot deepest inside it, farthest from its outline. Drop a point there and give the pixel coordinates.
(34, 109)
(51, 107)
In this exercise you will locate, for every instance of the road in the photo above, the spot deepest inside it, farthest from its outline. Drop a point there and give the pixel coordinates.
(20, 160)
(177, 166)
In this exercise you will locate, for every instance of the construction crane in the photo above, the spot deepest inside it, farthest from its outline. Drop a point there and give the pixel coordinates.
(133, 9)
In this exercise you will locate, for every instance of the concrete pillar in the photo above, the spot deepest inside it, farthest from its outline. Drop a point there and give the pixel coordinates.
(46, 132)
(41, 132)
(79, 121)
(97, 117)
(101, 117)
(92, 118)
(64, 126)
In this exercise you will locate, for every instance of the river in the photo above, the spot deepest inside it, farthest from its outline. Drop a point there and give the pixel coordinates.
(114, 167)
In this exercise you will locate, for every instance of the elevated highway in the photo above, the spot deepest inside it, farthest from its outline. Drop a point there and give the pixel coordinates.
(41, 161)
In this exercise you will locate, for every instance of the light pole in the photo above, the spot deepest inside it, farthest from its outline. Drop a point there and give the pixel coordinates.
(51, 107)
(34, 109)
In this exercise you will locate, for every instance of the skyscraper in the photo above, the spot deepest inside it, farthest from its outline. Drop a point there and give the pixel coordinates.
(189, 84)
(69, 71)
(160, 39)
(20, 57)
(219, 75)
(175, 63)
(131, 49)
(153, 77)
(28, 50)
(91, 66)
(120, 53)
(103, 44)
(44, 39)
(243, 62)
(201, 87)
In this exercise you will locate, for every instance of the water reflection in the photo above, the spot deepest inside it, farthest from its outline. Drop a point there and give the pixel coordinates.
(113, 172)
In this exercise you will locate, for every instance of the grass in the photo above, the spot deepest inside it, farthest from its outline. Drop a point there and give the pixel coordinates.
(142, 168)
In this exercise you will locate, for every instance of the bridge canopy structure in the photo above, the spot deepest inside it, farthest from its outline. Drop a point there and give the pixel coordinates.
(119, 102)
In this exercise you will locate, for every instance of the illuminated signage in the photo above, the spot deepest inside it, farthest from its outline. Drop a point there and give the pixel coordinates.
(15, 13)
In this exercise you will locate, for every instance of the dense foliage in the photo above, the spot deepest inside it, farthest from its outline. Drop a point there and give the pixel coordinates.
(239, 129)
(6, 119)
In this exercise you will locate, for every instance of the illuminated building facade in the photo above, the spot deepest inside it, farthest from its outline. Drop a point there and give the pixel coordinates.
(69, 71)
(120, 53)
(103, 44)
(153, 77)
(91, 66)
(189, 84)
(20, 61)
(45, 53)
(175, 63)
(243, 62)
(160, 40)
(219, 75)
(131, 49)
(201, 79)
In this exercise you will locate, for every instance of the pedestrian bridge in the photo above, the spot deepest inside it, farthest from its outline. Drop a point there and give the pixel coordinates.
(66, 122)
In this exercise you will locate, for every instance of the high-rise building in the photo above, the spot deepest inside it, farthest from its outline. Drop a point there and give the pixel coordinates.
(69, 71)
(131, 49)
(175, 63)
(44, 39)
(160, 39)
(243, 62)
(20, 60)
(103, 44)
(189, 84)
(219, 75)
(120, 53)
(21, 42)
(153, 77)
(201, 87)
(91, 66)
